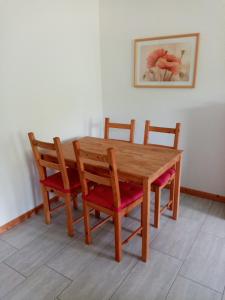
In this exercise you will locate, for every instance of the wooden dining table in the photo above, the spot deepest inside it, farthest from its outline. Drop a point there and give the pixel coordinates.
(139, 163)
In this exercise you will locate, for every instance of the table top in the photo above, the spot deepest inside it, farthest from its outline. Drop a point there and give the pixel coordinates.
(134, 161)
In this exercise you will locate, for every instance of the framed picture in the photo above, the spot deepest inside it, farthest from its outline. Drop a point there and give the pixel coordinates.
(166, 62)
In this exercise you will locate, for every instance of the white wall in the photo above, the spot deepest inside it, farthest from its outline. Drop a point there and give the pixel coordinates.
(201, 110)
(49, 83)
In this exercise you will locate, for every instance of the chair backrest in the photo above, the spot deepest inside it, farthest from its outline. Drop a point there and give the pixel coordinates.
(110, 177)
(43, 164)
(175, 131)
(130, 127)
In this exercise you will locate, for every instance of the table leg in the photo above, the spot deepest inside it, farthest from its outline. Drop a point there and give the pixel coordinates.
(146, 220)
(177, 190)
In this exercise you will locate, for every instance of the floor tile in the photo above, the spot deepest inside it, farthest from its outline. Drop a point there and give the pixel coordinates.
(206, 262)
(194, 208)
(75, 257)
(58, 233)
(150, 280)
(38, 252)
(6, 250)
(184, 289)
(177, 237)
(101, 278)
(9, 279)
(47, 253)
(215, 221)
(44, 284)
(24, 233)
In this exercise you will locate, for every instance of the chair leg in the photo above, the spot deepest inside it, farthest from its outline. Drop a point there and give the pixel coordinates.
(46, 205)
(172, 186)
(69, 214)
(97, 214)
(75, 205)
(142, 216)
(86, 212)
(118, 237)
(157, 207)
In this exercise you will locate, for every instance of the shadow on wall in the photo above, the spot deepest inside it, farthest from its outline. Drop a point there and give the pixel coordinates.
(204, 157)
(95, 128)
(32, 172)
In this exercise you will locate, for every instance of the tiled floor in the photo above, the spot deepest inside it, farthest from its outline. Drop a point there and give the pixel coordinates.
(187, 259)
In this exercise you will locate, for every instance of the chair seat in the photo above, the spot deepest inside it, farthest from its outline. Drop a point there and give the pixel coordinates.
(103, 195)
(165, 177)
(55, 181)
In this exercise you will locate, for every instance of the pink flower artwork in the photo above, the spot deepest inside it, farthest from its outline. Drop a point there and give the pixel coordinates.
(163, 60)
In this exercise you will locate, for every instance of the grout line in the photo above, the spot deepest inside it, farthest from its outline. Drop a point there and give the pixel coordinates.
(63, 290)
(175, 278)
(71, 280)
(69, 283)
(199, 232)
(164, 253)
(38, 236)
(25, 277)
(38, 267)
(201, 284)
(9, 244)
(122, 281)
(191, 247)
(178, 272)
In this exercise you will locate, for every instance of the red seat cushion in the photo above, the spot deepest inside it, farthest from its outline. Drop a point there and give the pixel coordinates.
(165, 177)
(55, 181)
(103, 195)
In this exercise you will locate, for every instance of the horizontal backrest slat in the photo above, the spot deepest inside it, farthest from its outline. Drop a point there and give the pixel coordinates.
(162, 129)
(49, 164)
(161, 146)
(119, 125)
(94, 156)
(97, 179)
(44, 145)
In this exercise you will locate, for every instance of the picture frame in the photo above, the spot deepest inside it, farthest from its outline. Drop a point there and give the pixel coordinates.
(166, 61)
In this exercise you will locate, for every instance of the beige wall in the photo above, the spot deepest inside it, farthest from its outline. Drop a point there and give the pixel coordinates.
(49, 83)
(201, 110)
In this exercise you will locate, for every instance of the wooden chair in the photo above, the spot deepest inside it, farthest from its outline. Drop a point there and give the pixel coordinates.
(110, 196)
(64, 183)
(130, 127)
(168, 178)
